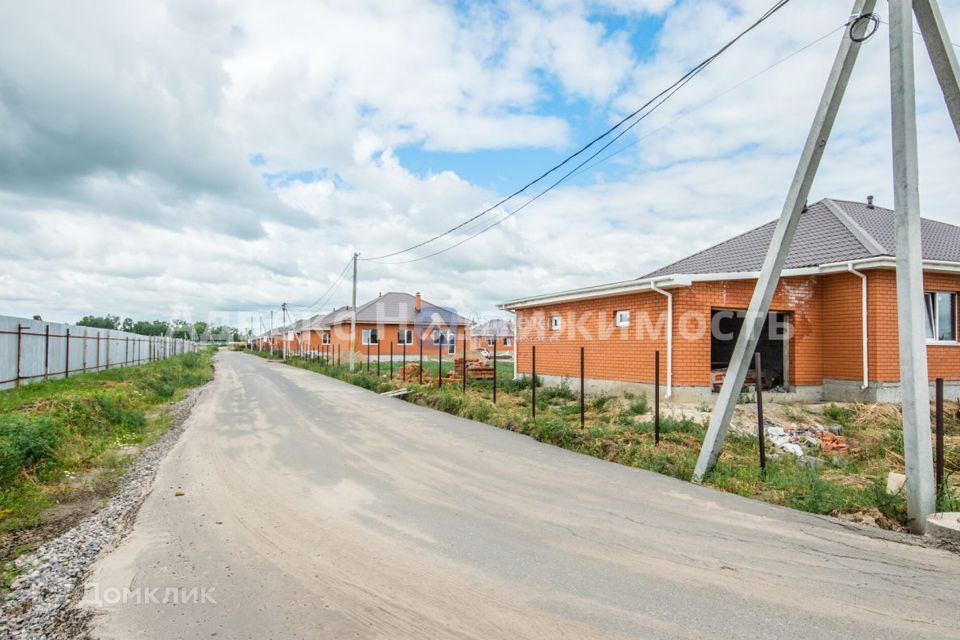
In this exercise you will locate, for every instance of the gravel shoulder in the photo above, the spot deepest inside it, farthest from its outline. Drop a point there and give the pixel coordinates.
(43, 602)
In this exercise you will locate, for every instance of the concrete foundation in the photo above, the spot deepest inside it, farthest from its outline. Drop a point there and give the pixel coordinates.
(829, 391)
(852, 391)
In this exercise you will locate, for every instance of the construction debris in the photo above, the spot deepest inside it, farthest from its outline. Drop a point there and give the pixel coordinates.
(795, 438)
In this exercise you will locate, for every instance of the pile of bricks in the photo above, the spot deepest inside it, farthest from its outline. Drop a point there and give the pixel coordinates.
(476, 370)
(832, 443)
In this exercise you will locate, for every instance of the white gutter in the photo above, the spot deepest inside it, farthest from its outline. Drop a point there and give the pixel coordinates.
(863, 321)
(685, 280)
(654, 287)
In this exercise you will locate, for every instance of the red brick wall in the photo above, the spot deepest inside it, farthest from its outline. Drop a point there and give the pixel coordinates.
(943, 360)
(842, 325)
(340, 337)
(627, 354)
(824, 314)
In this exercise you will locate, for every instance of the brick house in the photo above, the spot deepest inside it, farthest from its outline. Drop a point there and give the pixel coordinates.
(394, 320)
(498, 330)
(831, 332)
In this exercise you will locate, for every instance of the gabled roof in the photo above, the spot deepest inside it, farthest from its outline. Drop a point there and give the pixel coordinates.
(398, 308)
(829, 231)
(498, 327)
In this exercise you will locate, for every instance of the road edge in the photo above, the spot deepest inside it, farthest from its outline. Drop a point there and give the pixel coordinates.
(46, 602)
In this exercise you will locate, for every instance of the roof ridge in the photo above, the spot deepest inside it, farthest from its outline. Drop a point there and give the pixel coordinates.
(862, 235)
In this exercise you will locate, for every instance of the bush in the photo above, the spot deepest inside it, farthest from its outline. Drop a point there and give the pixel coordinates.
(127, 419)
(25, 441)
(599, 403)
(451, 401)
(560, 392)
(190, 360)
(638, 407)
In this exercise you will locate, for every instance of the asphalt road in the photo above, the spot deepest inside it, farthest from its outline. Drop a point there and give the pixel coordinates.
(316, 509)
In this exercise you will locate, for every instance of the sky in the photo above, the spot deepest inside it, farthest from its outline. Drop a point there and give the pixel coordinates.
(210, 161)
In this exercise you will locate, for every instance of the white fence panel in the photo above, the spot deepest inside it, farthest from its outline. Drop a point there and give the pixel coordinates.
(33, 350)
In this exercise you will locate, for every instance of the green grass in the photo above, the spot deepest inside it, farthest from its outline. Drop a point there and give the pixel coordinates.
(52, 430)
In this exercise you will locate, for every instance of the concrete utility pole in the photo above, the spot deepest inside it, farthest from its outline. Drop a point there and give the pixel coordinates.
(271, 331)
(283, 338)
(914, 386)
(353, 316)
(779, 247)
(914, 379)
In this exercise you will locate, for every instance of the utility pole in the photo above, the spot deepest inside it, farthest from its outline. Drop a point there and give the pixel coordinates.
(271, 331)
(779, 247)
(914, 384)
(914, 377)
(353, 316)
(283, 338)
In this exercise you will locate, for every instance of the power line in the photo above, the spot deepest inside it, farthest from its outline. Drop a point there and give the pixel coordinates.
(580, 168)
(552, 186)
(669, 90)
(325, 294)
(711, 100)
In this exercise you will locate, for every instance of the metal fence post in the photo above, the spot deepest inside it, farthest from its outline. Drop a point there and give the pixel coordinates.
(46, 352)
(368, 356)
(98, 350)
(761, 433)
(463, 367)
(583, 404)
(19, 349)
(440, 364)
(378, 355)
(939, 436)
(66, 367)
(656, 397)
(391, 360)
(421, 358)
(533, 405)
(494, 370)
(403, 359)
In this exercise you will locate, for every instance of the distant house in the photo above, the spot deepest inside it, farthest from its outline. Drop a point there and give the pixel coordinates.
(831, 332)
(397, 321)
(498, 331)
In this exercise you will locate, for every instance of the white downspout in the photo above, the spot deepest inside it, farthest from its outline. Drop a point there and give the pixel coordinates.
(516, 346)
(669, 296)
(863, 321)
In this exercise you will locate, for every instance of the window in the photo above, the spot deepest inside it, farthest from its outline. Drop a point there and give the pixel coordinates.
(507, 342)
(941, 316)
(326, 338)
(439, 337)
(491, 341)
(451, 342)
(370, 336)
(404, 336)
(623, 318)
(555, 323)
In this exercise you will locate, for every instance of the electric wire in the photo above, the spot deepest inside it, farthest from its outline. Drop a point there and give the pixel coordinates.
(710, 100)
(669, 90)
(330, 290)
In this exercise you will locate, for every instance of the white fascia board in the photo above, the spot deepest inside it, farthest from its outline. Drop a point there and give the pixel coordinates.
(685, 280)
(599, 291)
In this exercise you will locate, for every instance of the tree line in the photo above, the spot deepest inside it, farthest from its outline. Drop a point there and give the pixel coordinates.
(198, 330)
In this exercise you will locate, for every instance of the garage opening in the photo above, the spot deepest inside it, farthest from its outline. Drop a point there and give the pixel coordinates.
(773, 348)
